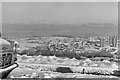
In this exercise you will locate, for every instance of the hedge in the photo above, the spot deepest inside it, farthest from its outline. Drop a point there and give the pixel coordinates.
(70, 54)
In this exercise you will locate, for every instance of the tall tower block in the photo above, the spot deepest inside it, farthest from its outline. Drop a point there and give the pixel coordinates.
(113, 41)
(102, 40)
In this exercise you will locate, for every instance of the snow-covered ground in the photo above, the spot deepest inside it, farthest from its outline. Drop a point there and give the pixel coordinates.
(45, 67)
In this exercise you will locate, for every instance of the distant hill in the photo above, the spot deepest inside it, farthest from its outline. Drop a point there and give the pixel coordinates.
(91, 29)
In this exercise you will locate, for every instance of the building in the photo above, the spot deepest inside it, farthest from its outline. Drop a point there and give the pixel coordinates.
(113, 41)
(102, 40)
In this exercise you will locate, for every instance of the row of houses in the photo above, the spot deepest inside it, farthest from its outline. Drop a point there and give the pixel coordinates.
(82, 43)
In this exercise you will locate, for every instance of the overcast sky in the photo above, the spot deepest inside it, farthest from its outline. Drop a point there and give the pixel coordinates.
(0, 12)
(60, 12)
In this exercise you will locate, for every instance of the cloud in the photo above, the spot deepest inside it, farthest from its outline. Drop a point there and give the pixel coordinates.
(62, 13)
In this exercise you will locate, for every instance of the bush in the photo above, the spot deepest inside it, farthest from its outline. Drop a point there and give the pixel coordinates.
(39, 50)
(24, 52)
(69, 54)
(46, 53)
(42, 47)
(78, 55)
(31, 52)
(90, 53)
(59, 54)
(105, 54)
(44, 50)
(24, 58)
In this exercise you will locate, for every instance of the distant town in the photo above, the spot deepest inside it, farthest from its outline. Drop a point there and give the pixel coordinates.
(94, 46)
(86, 55)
